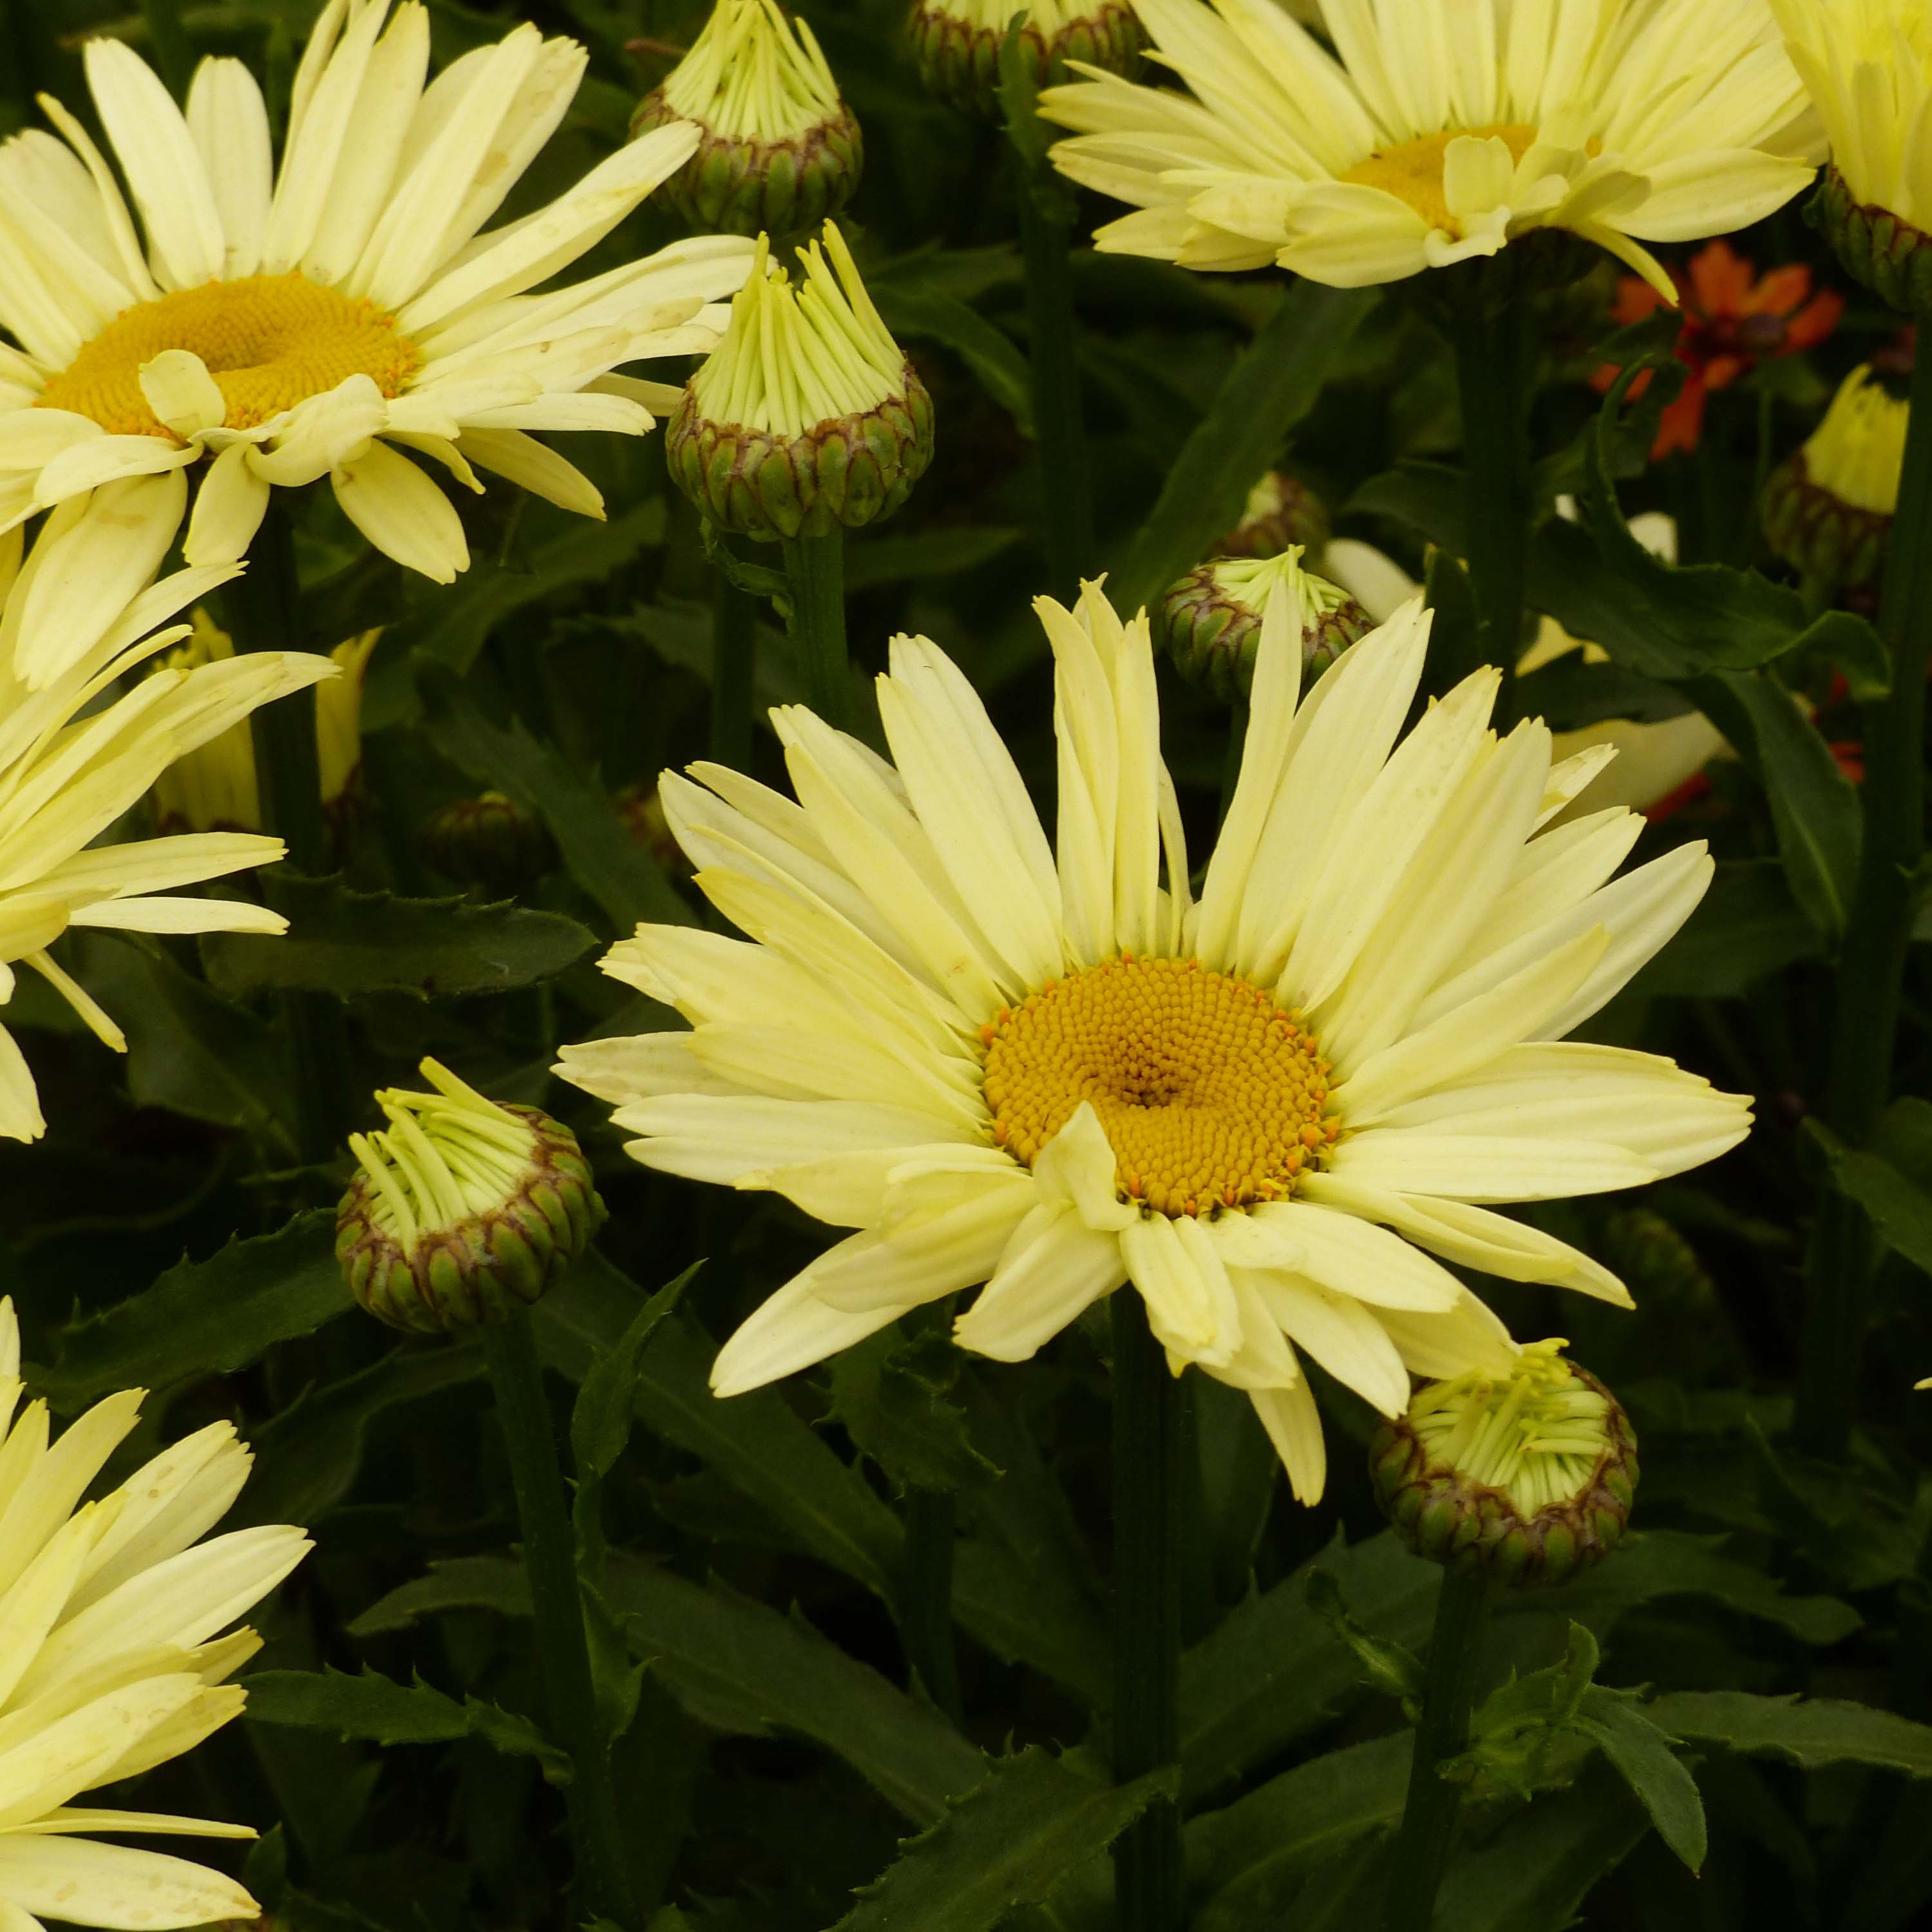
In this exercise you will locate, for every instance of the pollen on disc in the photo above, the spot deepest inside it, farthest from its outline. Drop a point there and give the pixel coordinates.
(269, 341)
(1210, 1094)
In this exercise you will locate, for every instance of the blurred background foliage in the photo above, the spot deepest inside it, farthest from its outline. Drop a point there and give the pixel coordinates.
(780, 1753)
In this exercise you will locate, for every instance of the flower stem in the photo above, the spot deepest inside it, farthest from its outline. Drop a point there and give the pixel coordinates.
(563, 1650)
(926, 1596)
(1046, 236)
(1422, 1848)
(815, 568)
(1492, 351)
(1871, 963)
(1150, 1879)
(734, 636)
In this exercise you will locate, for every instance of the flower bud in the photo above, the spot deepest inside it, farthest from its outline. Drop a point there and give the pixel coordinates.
(213, 788)
(1522, 1478)
(488, 842)
(778, 151)
(462, 1211)
(1828, 510)
(807, 415)
(1212, 620)
(1890, 255)
(1280, 512)
(957, 44)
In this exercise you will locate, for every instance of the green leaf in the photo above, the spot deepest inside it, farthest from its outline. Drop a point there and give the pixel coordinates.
(756, 1442)
(307, 1455)
(1391, 1668)
(1249, 1858)
(378, 1709)
(495, 1583)
(188, 1049)
(602, 856)
(890, 1392)
(994, 1597)
(1273, 384)
(203, 1318)
(349, 943)
(1630, 1737)
(872, 561)
(1899, 1208)
(1006, 1845)
(1810, 1732)
(1745, 927)
(1452, 631)
(607, 1403)
(918, 311)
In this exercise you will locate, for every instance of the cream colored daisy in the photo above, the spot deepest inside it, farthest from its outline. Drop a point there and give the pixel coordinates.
(74, 757)
(1868, 65)
(321, 319)
(1054, 1074)
(112, 1655)
(1444, 129)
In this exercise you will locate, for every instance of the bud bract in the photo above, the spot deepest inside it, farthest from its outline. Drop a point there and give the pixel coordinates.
(778, 151)
(463, 1210)
(807, 415)
(1522, 1477)
(1280, 511)
(488, 842)
(1828, 510)
(957, 44)
(1212, 619)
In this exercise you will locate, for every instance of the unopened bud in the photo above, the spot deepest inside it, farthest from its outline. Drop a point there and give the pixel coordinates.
(488, 842)
(807, 415)
(1891, 255)
(463, 1210)
(1828, 509)
(957, 44)
(778, 151)
(1522, 1478)
(1280, 512)
(1212, 619)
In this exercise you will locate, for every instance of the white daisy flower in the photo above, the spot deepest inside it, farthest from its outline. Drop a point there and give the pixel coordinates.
(74, 758)
(1444, 129)
(112, 1655)
(319, 320)
(1054, 1075)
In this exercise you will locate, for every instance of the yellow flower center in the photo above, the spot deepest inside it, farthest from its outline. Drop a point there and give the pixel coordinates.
(269, 341)
(1211, 1095)
(1413, 172)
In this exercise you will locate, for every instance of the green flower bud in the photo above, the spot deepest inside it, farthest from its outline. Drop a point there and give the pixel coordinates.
(463, 1211)
(1211, 619)
(807, 415)
(1828, 510)
(1280, 512)
(957, 44)
(1524, 1478)
(489, 841)
(779, 152)
(1889, 254)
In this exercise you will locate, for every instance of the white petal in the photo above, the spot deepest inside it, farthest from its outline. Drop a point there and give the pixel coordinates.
(403, 513)
(1054, 1267)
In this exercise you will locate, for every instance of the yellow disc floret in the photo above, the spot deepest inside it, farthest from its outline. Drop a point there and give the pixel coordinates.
(269, 341)
(1211, 1095)
(1413, 172)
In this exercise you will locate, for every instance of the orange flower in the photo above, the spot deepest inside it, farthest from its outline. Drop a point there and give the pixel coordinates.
(1733, 319)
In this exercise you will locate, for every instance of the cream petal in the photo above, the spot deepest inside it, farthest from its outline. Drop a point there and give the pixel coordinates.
(919, 1257)
(1078, 1166)
(1486, 1167)
(1294, 1425)
(1348, 1256)
(1342, 1334)
(229, 508)
(1053, 1268)
(229, 120)
(402, 513)
(1190, 1303)
(86, 1883)
(791, 1330)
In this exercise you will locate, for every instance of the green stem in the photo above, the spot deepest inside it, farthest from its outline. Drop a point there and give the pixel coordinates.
(815, 568)
(926, 1596)
(1045, 238)
(734, 643)
(1492, 352)
(1422, 1848)
(1871, 963)
(174, 56)
(1149, 1878)
(562, 1648)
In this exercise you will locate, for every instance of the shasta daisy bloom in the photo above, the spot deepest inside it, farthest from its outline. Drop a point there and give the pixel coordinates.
(74, 759)
(276, 326)
(1268, 1109)
(1446, 130)
(112, 1658)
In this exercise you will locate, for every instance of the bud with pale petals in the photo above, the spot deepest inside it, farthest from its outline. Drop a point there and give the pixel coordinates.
(1828, 510)
(1212, 620)
(957, 44)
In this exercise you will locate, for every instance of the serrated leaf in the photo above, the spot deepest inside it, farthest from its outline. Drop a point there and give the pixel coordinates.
(1899, 1209)
(1274, 383)
(1629, 1736)
(1391, 1668)
(383, 1711)
(607, 1402)
(204, 1318)
(349, 943)
(495, 1583)
(1006, 1845)
(1810, 1732)
(890, 1394)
